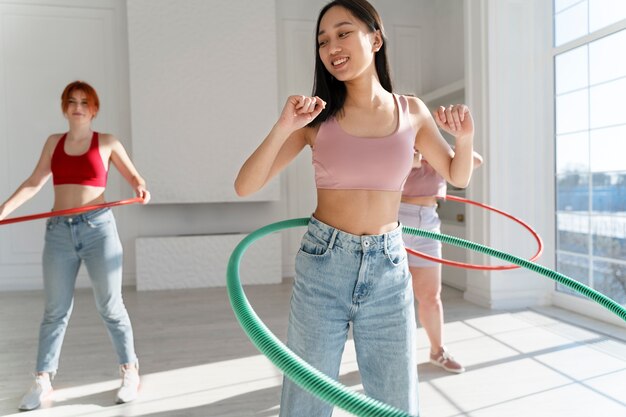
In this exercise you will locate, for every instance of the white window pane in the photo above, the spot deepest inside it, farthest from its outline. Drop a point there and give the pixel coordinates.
(572, 223)
(571, 24)
(572, 153)
(602, 13)
(572, 112)
(606, 104)
(607, 58)
(571, 70)
(608, 149)
(608, 225)
(564, 4)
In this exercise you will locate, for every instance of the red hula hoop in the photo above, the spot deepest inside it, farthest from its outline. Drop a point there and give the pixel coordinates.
(70, 211)
(484, 267)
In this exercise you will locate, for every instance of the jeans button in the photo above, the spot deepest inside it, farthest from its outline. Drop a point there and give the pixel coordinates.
(366, 243)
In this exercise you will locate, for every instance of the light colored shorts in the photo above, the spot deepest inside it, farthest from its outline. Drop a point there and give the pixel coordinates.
(421, 217)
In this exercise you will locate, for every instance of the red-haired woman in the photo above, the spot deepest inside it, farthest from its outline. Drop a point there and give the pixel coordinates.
(78, 162)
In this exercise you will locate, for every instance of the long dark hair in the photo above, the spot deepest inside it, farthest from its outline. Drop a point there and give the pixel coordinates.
(331, 90)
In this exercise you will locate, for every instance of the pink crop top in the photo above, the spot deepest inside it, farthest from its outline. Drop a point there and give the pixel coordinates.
(346, 162)
(85, 169)
(424, 181)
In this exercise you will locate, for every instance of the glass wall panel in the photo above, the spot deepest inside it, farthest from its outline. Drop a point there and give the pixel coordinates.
(606, 104)
(607, 149)
(603, 13)
(572, 112)
(610, 278)
(572, 153)
(571, 23)
(607, 58)
(573, 233)
(575, 267)
(590, 139)
(571, 70)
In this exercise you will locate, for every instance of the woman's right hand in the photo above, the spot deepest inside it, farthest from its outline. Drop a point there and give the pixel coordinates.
(300, 111)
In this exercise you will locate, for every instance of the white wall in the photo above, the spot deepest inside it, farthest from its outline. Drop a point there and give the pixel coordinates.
(203, 88)
(44, 46)
(48, 43)
(509, 90)
(41, 53)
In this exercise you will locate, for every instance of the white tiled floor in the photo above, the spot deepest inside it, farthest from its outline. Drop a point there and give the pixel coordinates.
(196, 360)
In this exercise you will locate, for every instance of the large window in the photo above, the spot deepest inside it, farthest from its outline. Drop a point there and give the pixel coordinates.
(590, 88)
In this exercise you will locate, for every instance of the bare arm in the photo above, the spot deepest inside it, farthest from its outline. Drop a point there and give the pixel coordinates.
(417, 160)
(34, 183)
(284, 142)
(124, 165)
(478, 159)
(455, 166)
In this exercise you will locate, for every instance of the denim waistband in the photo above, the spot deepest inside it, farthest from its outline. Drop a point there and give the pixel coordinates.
(79, 218)
(364, 243)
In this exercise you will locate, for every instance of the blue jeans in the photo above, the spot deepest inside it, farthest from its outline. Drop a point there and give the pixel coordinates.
(90, 237)
(343, 278)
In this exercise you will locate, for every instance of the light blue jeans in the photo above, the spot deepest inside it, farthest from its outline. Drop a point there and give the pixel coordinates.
(343, 278)
(90, 237)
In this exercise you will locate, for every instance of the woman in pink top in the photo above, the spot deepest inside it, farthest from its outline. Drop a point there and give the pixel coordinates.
(419, 209)
(351, 270)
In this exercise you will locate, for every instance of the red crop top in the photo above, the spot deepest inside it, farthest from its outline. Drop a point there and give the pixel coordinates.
(85, 169)
(343, 161)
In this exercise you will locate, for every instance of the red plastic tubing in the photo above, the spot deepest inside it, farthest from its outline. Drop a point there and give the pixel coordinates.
(71, 211)
(484, 267)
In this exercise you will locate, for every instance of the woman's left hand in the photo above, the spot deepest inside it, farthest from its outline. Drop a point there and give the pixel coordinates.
(455, 119)
(143, 193)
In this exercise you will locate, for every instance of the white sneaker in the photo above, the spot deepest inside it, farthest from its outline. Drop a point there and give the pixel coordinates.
(129, 390)
(37, 393)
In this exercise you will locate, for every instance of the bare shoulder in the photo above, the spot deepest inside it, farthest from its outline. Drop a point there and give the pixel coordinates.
(416, 105)
(53, 140)
(108, 140)
(418, 110)
(107, 137)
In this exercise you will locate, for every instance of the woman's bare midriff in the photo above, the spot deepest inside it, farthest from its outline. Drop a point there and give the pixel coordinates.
(69, 196)
(358, 212)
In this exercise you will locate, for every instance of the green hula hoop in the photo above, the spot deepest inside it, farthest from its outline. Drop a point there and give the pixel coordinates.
(319, 384)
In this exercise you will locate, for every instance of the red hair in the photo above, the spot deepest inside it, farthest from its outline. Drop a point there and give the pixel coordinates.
(92, 97)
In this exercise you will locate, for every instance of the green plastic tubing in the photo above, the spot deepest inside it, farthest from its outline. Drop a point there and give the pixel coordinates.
(320, 384)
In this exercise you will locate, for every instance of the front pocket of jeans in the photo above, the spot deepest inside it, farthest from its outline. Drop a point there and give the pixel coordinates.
(311, 246)
(50, 224)
(396, 256)
(98, 222)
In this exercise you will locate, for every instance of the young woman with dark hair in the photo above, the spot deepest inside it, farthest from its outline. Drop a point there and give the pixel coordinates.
(352, 266)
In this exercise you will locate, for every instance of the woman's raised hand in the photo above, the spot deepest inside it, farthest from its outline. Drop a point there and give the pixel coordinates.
(455, 119)
(299, 111)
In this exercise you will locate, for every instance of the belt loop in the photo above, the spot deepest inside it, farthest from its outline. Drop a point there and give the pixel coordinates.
(386, 235)
(332, 239)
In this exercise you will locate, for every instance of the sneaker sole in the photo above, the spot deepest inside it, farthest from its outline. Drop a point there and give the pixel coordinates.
(441, 365)
(118, 400)
(46, 398)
